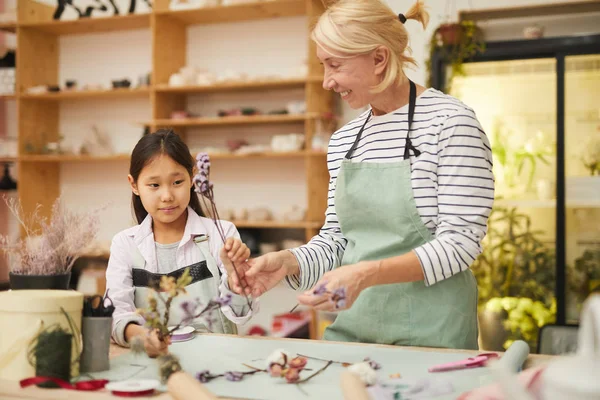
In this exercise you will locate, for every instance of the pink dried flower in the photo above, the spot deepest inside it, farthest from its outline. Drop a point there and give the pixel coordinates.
(49, 247)
(298, 363)
(275, 370)
(292, 375)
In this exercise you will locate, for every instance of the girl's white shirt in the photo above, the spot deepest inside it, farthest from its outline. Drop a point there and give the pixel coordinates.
(140, 238)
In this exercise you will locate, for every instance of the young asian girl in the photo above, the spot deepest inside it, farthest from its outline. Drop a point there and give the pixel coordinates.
(172, 235)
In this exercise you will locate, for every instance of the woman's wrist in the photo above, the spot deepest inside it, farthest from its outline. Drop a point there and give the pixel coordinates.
(371, 273)
(289, 262)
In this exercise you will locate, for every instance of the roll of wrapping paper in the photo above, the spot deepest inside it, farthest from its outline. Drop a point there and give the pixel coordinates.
(183, 386)
(353, 387)
(515, 356)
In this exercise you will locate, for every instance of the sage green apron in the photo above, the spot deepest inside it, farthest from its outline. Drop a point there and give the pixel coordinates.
(379, 218)
(204, 287)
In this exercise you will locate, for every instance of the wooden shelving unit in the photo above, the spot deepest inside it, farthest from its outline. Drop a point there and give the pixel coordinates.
(10, 27)
(278, 224)
(59, 158)
(239, 86)
(89, 94)
(234, 120)
(95, 25)
(234, 13)
(38, 47)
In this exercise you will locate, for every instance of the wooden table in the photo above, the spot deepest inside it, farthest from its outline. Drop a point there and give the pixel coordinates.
(10, 390)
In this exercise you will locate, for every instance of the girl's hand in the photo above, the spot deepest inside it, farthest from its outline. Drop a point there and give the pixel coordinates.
(234, 251)
(154, 346)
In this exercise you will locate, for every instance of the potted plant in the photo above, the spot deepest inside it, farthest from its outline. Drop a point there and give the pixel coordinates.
(44, 256)
(583, 276)
(455, 43)
(511, 156)
(515, 274)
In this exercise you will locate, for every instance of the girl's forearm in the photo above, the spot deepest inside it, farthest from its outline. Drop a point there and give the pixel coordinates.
(133, 330)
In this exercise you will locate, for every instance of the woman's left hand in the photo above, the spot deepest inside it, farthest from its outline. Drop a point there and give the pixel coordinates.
(348, 280)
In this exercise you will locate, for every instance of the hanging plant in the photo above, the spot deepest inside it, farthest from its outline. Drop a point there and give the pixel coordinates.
(456, 43)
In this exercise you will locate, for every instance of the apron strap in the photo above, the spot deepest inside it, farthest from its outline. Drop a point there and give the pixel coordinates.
(362, 128)
(202, 243)
(412, 100)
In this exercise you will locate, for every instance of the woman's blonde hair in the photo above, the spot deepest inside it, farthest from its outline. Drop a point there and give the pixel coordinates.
(352, 27)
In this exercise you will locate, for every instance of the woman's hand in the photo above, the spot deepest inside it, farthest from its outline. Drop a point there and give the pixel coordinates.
(338, 289)
(261, 274)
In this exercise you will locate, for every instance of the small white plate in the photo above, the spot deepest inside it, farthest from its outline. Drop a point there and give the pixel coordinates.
(182, 334)
(133, 385)
(173, 340)
(184, 330)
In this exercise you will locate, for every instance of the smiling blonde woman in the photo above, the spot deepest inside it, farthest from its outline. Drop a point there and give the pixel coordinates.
(410, 193)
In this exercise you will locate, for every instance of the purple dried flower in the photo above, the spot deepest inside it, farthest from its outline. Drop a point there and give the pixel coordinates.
(233, 376)
(223, 301)
(339, 298)
(201, 181)
(189, 307)
(189, 311)
(321, 289)
(373, 364)
(204, 376)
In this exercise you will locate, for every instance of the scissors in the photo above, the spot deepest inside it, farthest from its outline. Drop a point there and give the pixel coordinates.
(471, 362)
(93, 308)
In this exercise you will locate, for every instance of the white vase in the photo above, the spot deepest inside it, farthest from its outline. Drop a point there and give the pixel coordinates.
(546, 190)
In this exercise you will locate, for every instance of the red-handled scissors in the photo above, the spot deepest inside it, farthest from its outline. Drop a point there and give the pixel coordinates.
(471, 362)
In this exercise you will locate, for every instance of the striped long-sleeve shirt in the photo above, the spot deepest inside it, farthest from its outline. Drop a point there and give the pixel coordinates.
(452, 183)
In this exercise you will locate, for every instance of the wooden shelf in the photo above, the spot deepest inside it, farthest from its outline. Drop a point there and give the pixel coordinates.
(277, 224)
(545, 203)
(238, 12)
(71, 158)
(92, 25)
(271, 154)
(7, 97)
(578, 7)
(88, 94)
(8, 159)
(8, 27)
(235, 120)
(239, 86)
(126, 157)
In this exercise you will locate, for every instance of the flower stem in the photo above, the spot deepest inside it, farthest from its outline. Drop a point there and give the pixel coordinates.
(316, 373)
(321, 359)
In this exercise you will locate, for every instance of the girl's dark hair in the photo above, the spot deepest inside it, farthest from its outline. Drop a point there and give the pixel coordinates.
(163, 141)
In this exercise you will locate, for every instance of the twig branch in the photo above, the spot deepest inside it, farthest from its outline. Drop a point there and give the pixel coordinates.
(321, 359)
(316, 373)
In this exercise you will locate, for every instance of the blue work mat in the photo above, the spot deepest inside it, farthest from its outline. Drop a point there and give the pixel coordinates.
(221, 353)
